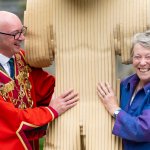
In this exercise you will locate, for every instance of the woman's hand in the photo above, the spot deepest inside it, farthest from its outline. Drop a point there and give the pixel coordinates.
(107, 96)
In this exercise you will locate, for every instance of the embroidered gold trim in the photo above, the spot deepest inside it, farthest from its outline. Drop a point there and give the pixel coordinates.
(20, 128)
(21, 84)
(53, 117)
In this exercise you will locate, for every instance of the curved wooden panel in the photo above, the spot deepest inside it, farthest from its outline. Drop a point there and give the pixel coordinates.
(39, 40)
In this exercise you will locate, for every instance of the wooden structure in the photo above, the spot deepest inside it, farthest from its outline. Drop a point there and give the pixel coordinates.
(84, 37)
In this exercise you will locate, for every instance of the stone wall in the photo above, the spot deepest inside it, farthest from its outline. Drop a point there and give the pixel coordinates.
(14, 6)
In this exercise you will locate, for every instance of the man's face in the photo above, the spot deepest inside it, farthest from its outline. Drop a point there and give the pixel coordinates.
(8, 44)
(141, 62)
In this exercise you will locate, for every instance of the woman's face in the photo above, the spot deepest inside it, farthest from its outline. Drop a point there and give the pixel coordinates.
(141, 62)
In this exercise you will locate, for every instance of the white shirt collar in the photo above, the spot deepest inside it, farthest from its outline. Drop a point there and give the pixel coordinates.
(3, 59)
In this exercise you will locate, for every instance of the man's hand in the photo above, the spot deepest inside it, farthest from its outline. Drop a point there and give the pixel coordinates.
(108, 98)
(65, 101)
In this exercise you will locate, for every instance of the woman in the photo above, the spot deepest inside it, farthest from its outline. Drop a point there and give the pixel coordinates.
(132, 118)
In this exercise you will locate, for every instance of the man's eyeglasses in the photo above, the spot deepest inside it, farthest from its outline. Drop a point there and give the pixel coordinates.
(18, 34)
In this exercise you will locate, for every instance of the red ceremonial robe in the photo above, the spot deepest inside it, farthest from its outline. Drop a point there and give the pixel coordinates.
(24, 106)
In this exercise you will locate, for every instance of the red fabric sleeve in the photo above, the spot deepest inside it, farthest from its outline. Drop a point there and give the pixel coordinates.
(14, 123)
(42, 86)
(40, 131)
(17, 120)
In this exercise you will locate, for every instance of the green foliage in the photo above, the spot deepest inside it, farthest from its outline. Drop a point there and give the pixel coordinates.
(41, 143)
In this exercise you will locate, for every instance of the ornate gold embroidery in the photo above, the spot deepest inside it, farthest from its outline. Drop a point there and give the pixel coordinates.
(6, 88)
(25, 88)
(21, 85)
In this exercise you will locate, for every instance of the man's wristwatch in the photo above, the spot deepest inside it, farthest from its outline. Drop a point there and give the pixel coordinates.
(116, 113)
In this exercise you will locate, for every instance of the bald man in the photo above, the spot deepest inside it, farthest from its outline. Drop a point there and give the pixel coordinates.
(25, 92)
